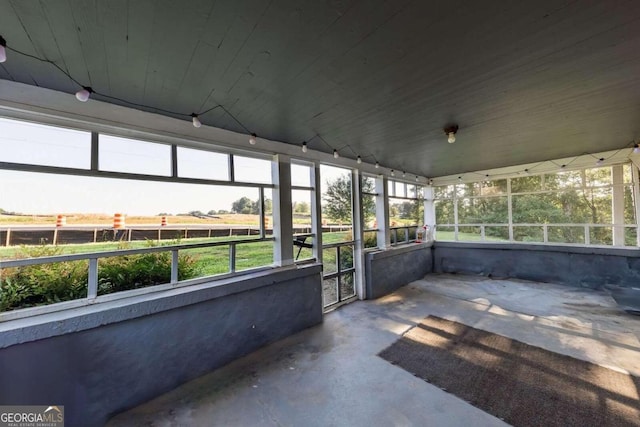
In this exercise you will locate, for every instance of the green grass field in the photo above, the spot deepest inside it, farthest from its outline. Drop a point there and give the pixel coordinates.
(210, 261)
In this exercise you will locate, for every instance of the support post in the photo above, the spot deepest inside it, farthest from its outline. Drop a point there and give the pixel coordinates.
(282, 212)
(382, 213)
(316, 212)
(617, 202)
(174, 267)
(93, 278)
(358, 233)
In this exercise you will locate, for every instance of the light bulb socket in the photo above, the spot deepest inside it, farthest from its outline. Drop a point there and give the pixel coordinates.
(3, 42)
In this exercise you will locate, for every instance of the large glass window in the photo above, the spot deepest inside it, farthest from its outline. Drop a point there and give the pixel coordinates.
(573, 207)
(133, 156)
(36, 144)
(132, 203)
(406, 210)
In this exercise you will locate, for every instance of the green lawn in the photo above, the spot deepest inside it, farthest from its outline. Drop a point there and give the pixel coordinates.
(210, 261)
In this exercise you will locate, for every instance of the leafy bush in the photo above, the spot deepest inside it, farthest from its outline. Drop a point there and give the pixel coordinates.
(43, 284)
(34, 285)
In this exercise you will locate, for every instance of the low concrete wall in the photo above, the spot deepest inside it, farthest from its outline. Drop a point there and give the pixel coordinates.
(388, 270)
(101, 360)
(576, 266)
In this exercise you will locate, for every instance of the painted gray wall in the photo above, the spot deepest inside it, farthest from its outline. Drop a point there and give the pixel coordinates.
(386, 271)
(575, 266)
(104, 370)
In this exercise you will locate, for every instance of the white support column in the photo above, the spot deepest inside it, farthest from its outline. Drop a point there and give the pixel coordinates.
(510, 209)
(455, 213)
(316, 212)
(636, 199)
(282, 215)
(358, 233)
(617, 202)
(382, 213)
(429, 210)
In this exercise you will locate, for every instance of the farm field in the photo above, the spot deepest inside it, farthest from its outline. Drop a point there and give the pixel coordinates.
(107, 220)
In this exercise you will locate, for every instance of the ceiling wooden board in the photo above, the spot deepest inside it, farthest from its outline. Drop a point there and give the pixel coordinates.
(525, 81)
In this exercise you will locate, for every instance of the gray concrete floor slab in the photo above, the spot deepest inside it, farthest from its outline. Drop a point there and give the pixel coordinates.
(330, 375)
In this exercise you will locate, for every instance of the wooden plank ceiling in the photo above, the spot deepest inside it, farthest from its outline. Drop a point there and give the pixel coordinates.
(525, 81)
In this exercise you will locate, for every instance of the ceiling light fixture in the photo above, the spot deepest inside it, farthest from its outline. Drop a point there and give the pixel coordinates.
(459, 178)
(404, 174)
(451, 133)
(636, 147)
(196, 121)
(304, 147)
(393, 173)
(3, 49)
(600, 161)
(359, 160)
(335, 154)
(253, 139)
(563, 166)
(83, 94)
(377, 165)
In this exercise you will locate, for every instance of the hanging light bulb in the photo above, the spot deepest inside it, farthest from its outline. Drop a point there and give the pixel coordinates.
(253, 139)
(393, 173)
(304, 147)
(377, 165)
(83, 94)
(3, 49)
(459, 178)
(359, 160)
(600, 161)
(196, 121)
(526, 171)
(417, 178)
(636, 147)
(404, 174)
(430, 182)
(563, 166)
(335, 154)
(451, 133)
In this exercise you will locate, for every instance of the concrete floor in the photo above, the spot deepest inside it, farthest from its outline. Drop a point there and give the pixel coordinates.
(330, 375)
